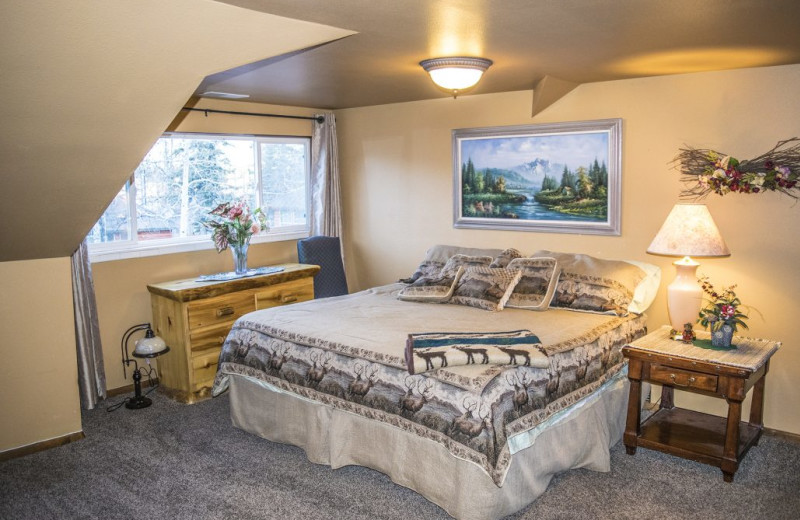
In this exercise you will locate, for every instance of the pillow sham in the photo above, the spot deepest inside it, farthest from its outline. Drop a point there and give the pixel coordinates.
(536, 285)
(485, 287)
(596, 285)
(505, 257)
(464, 261)
(437, 289)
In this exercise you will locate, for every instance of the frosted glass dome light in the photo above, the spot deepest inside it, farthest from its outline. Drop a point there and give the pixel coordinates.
(457, 73)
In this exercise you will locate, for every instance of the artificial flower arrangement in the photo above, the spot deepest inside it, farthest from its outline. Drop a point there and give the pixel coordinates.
(722, 308)
(235, 224)
(706, 171)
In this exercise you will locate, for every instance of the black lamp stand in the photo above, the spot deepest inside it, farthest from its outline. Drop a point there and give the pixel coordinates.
(138, 400)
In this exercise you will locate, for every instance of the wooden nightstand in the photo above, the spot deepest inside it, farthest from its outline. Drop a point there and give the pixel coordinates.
(725, 374)
(194, 319)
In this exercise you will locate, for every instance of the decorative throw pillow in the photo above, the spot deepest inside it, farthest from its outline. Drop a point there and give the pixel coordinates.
(427, 269)
(593, 284)
(438, 255)
(536, 285)
(485, 287)
(505, 257)
(464, 261)
(438, 289)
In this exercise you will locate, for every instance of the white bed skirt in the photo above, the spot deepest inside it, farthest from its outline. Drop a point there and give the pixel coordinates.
(580, 439)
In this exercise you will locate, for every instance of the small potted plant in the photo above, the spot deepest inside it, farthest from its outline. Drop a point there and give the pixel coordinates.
(722, 315)
(234, 225)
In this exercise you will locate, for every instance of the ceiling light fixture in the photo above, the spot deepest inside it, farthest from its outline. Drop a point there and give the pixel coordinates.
(456, 73)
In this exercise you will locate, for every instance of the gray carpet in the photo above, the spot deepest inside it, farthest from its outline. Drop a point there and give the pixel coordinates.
(188, 462)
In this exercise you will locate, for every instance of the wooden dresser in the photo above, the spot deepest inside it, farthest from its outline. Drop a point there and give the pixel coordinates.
(195, 317)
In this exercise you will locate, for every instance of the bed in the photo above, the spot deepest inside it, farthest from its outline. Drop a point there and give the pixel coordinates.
(340, 377)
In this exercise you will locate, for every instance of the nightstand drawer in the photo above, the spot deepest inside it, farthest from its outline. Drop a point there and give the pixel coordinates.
(683, 378)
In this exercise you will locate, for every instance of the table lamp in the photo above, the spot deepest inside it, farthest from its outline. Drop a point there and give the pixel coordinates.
(688, 231)
(149, 346)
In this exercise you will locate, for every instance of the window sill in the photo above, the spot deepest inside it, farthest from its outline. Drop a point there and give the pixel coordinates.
(109, 254)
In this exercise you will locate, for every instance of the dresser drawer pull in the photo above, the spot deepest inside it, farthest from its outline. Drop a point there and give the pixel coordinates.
(689, 383)
(289, 298)
(224, 311)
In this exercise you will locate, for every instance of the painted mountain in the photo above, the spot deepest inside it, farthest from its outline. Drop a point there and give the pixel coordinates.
(528, 175)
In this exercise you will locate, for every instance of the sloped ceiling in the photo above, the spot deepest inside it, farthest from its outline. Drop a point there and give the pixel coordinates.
(86, 88)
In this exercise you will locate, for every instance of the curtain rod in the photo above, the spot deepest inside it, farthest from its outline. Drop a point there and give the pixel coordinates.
(318, 119)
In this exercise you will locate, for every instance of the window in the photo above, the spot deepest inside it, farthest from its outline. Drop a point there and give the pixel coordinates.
(162, 207)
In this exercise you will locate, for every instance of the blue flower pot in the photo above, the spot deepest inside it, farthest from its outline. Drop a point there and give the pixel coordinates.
(722, 337)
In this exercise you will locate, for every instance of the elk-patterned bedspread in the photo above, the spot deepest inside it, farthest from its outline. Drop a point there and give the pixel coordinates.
(348, 352)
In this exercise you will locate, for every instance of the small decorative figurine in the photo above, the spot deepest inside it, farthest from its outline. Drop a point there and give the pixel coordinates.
(688, 334)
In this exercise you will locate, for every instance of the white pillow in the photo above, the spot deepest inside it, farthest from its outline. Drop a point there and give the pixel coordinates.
(647, 289)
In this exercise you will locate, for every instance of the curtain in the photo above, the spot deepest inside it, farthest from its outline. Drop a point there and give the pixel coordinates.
(326, 219)
(91, 374)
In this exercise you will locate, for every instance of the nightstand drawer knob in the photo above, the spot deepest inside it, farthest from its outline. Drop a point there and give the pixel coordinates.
(689, 381)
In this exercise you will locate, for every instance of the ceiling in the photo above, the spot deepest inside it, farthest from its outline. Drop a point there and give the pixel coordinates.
(578, 41)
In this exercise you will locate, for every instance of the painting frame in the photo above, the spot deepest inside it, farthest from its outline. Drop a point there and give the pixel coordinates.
(603, 136)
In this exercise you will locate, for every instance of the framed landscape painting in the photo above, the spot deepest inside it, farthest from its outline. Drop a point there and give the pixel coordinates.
(558, 177)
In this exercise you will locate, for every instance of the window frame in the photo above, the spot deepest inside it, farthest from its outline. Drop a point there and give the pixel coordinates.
(134, 248)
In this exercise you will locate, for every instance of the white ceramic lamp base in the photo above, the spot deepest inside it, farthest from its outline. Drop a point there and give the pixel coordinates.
(684, 295)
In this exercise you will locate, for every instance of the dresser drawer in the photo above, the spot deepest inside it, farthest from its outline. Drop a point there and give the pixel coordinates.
(220, 310)
(285, 293)
(204, 367)
(683, 378)
(214, 337)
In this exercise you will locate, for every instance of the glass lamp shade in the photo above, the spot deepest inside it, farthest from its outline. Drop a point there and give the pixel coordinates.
(150, 344)
(457, 73)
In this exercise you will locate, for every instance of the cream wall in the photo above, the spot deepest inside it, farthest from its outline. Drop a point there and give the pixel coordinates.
(38, 376)
(397, 191)
(121, 286)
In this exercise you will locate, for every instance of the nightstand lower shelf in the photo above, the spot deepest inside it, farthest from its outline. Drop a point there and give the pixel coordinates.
(693, 435)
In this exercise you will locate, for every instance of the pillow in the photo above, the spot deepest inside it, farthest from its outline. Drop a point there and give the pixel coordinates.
(427, 269)
(593, 284)
(537, 284)
(505, 257)
(464, 261)
(647, 289)
(485, 287)
(438, 255)
(437, 289)
(444, 253)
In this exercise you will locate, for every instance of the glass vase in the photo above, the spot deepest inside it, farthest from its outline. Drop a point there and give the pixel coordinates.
(722, 337)
(239, 252)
